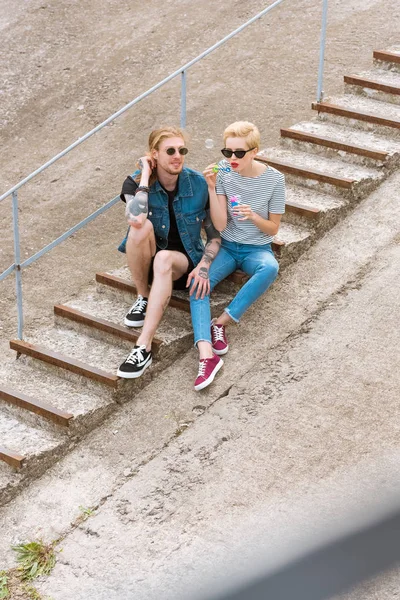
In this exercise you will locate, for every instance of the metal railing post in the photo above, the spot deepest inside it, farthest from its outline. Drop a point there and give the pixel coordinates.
(17, 258)
(183, 99)
(320, 93)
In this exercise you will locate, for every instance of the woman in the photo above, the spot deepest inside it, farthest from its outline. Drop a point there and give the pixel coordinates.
(247, 200)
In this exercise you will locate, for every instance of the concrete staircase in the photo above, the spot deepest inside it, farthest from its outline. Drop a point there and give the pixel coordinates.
(64, 383)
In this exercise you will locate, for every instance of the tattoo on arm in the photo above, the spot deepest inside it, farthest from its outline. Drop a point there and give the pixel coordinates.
(210, 251)
(138, 204)
(211, 232)
(203, 272)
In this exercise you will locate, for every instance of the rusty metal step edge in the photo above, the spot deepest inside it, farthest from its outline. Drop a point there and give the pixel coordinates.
(11, 457)
(342, 182)
(127, 286)
(386, 56)
(49, 412)
(72, 314)
(311, 138)
(335, 109)
(122, 284)
(65, 362)
(304, 211)
(370, 84)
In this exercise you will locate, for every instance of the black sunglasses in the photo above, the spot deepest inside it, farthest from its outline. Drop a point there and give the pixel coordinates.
(171, 151)
(238, 153)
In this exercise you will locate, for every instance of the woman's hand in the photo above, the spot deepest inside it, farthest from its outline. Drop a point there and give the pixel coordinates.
(201, 281)
(210, 173)
(243, 212)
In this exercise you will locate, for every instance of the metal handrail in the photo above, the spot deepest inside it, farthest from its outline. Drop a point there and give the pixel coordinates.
(17, 266)
(179, 71)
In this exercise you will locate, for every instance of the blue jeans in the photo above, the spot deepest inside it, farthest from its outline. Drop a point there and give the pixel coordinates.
(257, 261)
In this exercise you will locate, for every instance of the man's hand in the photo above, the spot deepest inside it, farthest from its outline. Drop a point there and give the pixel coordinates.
(211, 176)
(146, 164)
(137, 222)
(201, 281)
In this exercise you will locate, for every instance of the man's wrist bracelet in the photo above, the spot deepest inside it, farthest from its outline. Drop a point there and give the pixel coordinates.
(143, 188)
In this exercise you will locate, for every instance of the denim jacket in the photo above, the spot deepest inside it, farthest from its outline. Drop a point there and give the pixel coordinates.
(190, 211)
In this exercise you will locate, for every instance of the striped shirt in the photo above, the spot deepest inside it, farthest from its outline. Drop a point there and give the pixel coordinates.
(265, 194)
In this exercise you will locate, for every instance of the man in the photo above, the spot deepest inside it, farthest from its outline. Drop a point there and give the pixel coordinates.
(165, 213)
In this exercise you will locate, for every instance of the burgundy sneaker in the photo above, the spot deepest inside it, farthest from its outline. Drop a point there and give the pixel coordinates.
(218, 339)
(208, 368)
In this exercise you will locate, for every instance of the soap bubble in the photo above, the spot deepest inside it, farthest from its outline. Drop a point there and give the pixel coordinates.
(209, 144)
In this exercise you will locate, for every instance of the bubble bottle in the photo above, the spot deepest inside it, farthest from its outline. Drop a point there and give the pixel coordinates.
(235, 201)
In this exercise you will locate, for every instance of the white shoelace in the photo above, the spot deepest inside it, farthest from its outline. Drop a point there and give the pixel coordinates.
(202, 368)
(218, 332)
(136, 355)
(139, 305)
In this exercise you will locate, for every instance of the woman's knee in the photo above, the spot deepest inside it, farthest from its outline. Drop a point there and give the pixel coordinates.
(269, 269)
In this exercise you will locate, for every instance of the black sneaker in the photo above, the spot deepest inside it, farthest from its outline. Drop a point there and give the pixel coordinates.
(137, 362)
(135, 316)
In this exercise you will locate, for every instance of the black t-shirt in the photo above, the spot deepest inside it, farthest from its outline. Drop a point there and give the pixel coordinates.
(128, 187)
(174, 239)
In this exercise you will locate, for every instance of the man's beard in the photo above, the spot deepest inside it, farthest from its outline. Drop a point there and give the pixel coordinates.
(170, 171)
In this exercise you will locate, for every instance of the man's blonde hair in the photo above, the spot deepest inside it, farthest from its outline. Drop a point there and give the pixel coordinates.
(159, 135)
(246, 130)
(155, 139)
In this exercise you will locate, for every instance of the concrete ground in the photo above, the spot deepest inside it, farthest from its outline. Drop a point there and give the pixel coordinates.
(301, 425)
(300, 428)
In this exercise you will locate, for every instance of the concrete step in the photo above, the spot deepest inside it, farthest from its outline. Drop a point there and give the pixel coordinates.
(378, 84)
(25, 439)
(118, 285)
(84, 402)
(174, 330)
(361, 113)
(11, 396)
(323, 174)
(123, 286)
(26, 452)
(326, 208)
(388, 59)
(295, 239)
(72, 355)
(93, 362)
(339, 141)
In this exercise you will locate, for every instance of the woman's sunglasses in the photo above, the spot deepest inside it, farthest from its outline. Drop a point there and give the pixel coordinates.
(238, 153)
(171, 151)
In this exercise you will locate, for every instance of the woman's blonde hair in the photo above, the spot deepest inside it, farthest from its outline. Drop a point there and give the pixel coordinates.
(155, 139)
(246, 130)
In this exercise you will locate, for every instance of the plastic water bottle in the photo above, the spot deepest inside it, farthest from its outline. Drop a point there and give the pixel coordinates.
(135, 205)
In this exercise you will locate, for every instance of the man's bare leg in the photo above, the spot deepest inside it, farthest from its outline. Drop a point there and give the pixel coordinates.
(168, 267)
(140, 247)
